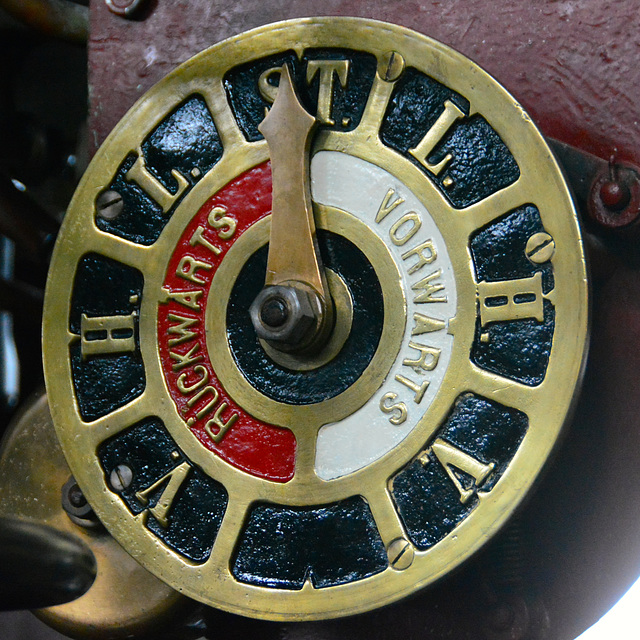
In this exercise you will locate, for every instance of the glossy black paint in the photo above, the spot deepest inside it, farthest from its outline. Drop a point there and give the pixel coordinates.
(481, 164)
(428, 502)
(308, 387)
(332, 544)
(104, 287)
(520, 349)
(186, 140)
(199, 505)
(348, 102)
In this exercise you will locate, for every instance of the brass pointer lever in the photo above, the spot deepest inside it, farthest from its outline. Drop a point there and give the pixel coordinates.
(293, 312)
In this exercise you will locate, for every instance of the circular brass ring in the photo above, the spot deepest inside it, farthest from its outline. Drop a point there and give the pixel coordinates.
(296, 417)
(545, 405)
(343, 305)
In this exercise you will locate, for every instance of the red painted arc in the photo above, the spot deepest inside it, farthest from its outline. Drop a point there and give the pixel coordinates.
(260, 449)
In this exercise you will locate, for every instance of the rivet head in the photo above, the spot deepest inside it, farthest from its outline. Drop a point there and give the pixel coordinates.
(540, 248)
(400, 553)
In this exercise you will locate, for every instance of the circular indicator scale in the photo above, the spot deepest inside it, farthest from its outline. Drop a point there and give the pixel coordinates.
(315, 319)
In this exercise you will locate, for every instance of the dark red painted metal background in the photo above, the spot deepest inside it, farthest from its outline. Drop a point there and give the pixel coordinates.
(575, 66)
(570, 63)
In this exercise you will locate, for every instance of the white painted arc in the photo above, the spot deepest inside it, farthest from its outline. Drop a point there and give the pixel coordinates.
(359, 188)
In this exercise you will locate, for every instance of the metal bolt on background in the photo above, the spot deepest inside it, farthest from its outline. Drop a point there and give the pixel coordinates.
(125, 8)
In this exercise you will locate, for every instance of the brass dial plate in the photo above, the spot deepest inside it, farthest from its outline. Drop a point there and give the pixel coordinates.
(302, 493)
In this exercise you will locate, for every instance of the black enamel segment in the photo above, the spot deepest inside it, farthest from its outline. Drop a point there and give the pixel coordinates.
(481, 163)
(247, 103)
(104, 287)
(199, 504)
(416, 103)
(186, 140)
(331, 545)
(308, 387)
(519, 349)
(348, 102)
(428, 501)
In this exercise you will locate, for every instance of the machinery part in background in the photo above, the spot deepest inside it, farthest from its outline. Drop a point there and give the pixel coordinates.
(124, 599)
(574, 70)
(42, 114)
(41, 566)
(60, 18)
(9, 361)
(606, 191)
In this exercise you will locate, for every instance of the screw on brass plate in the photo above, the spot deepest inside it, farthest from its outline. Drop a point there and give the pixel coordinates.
(540, 248)
(124, 8)
(109, 205)
(121, 477)
(390, 66)
(400, 553)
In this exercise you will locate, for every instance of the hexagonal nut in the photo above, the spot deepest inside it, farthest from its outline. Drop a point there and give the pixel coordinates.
(298, 328)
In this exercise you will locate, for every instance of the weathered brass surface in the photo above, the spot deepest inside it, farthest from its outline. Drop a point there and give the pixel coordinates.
(294, 259)
(125, 599)
(287, 129)
(545, 404)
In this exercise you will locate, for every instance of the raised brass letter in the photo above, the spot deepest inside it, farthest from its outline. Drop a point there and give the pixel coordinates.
(440, 127)
(387, 207)
(425, 324)
(426, 253)
(216, 422)
(198, 238)
(141, 176)
(187, 298)
(161, 509)
(106, 335)
(327, 69)
(188, 267)
(415, 223)
(426, 288)
(226, 225)
(388, 405)
(186, 359)
(450, 456)
(181, 329)
(507, 300)
(418, 389)
(426, 361)
(184, 388)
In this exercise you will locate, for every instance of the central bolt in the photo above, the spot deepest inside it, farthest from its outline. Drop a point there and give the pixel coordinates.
(288, 316)
(274, 312)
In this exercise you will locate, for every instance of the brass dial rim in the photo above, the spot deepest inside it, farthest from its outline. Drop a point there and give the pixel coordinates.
(212, 581)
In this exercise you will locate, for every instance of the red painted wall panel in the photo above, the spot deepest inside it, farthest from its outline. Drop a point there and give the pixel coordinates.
(572, 64)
